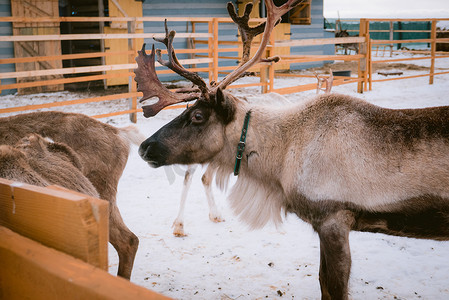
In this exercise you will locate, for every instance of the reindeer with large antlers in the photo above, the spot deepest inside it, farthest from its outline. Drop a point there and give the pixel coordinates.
(337, 162)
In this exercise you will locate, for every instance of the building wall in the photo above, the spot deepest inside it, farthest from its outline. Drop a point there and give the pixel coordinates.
(313, 31)
(228, 32)
(192, 8)
(6, 48)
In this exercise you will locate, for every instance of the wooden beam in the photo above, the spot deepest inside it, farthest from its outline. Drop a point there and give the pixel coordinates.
(312, 42)
(91, 69)
(66, 221)
(68, 102)
(98, 36)
(30, 270)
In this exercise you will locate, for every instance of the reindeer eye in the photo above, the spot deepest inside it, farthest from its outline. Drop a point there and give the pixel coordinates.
(197, 117)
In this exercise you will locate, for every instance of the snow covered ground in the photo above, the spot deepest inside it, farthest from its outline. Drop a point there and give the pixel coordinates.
(228, 261)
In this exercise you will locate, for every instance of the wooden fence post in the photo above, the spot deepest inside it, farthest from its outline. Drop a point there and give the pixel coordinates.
(433, 44)
(363, 62)
(391, 38)
(215, 58)
(132, 86)
(271, 66)
(210, 45)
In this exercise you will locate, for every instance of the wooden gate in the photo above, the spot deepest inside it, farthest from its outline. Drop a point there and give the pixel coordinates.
(37, 9)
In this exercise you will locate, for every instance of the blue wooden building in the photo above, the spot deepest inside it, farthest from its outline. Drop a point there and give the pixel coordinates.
(305, 22)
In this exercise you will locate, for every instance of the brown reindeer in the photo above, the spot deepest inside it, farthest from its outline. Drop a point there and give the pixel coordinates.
(102, 151)
(346, 47)
(42, 162)
(337, 162)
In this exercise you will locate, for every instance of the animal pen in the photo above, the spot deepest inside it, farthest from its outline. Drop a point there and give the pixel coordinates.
(40, 72)
(62, 254)
(26, 237)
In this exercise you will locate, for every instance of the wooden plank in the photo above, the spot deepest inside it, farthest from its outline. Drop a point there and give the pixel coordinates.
(311, 42)
(68, 102)
(32, 271)
(409, 77)
(65, 80)
(63, 57)
(92, 69)
(87, 55)
(105, 19)
(433, 46)
(97, 36)
(100, 210)
(401, 41)
(58, 219)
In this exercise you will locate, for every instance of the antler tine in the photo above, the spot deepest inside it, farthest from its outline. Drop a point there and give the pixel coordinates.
(149, 84)
(247, 33)
(274, 13)
(327, 81)
(173, 62)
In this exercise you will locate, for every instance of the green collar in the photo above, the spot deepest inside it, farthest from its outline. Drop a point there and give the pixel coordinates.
(241, 144)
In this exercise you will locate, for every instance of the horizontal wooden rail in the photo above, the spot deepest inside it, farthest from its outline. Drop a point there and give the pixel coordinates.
(309, 87)
(99, 36)
(408, 59)
(314, 42)
(69, 102)
(313, 58)
(107, 19)
(62, 57)
(88, 55)
(64, 80)
(411, 76)
(426, 41)
(91, 69)
(405, 20)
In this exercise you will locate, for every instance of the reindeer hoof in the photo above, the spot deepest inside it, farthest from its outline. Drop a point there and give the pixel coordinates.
(179, 230)
(216, 219)
(179, 234)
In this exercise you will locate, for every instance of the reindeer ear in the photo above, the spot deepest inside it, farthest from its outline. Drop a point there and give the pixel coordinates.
(225, 106)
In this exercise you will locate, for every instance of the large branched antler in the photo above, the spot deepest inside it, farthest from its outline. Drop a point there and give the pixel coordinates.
(246, 32)
(274, 13)
(173, 62)
(149, 84)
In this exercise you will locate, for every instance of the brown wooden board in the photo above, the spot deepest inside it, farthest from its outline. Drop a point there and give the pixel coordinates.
(30, 270)
(67, 221)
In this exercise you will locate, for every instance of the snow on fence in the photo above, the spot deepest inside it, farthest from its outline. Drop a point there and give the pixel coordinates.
(53, 245)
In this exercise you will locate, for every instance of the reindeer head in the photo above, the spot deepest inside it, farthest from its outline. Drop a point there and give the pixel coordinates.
(198, 134)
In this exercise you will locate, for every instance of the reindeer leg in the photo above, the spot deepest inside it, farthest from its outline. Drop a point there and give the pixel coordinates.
(214, 214)
(124, 241)
(178, 224)
(335, 256)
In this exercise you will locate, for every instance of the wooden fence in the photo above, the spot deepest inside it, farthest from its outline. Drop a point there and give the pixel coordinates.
(53, 245)
(207, 54)
(384, 44)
